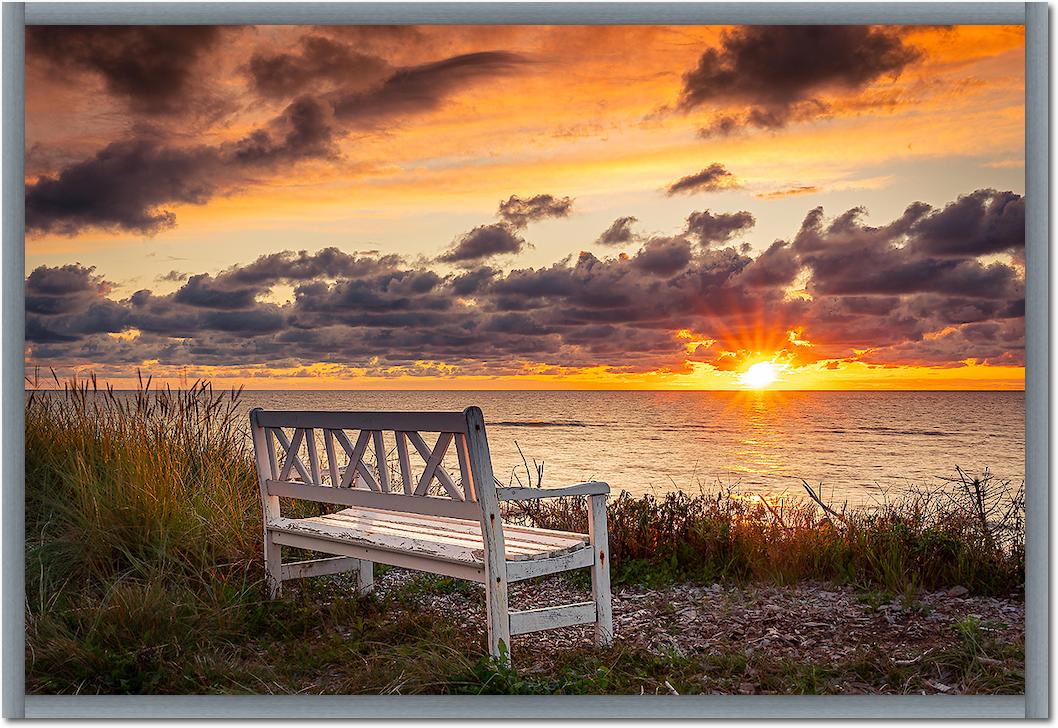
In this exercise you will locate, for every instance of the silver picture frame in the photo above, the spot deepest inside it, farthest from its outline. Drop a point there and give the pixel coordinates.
(1036, 701)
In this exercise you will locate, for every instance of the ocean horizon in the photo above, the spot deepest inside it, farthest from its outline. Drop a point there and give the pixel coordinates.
(855, 446)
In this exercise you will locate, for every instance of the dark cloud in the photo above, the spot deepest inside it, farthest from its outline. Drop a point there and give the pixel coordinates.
(63, 289)
(712, 178)
(482, 242)
(122, 187)
(318, 60)
(777, 266)
(715, 228)
(896, 293)
(173, 276)
(128, 185)
(980, 223)
(663, 256)
(153, 67)
(619, 233)
(417, 89)
(721, 126)
(779, 71)
(304, 130)
(520, 211)
(201, 291)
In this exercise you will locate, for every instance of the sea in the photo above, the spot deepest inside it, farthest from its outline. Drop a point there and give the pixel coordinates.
(857, 448)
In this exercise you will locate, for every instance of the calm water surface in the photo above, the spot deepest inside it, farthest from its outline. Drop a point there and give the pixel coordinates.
(857, 444)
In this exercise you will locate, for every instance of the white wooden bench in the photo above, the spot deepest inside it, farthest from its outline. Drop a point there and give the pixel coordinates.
(394, 518)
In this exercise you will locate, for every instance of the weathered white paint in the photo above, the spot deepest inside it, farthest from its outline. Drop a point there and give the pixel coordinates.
(332, 459)
(405, 421)
(291, 455)
(567, 615)
(600, 570)
(393, 558)
(433, 462)
(265, 460)
(405, 462)
(426, 453)
(528, 568)
(319, 567)
(364, 497)
(380, 461)
(519, 494)
(462, 535)
(497, 611)
(464, 468)
(314, 460)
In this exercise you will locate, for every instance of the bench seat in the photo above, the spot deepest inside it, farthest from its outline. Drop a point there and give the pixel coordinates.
(456, 540)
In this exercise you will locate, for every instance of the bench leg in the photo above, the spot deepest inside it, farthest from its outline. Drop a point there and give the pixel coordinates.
(600, 571)
(365, 577)
(273, 566)
(498, 618)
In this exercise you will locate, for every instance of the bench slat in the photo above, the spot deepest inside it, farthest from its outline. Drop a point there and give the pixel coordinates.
(542, 536)
(405, 462)
(369, 526)
(534, 620)
(384, 501)
(527, 569)
(380, 461)
(438, 550)
(473, 572)
(415, 421)
(359, 518)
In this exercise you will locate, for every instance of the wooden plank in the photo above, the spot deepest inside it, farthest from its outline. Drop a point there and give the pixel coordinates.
(406, 421)
(264, 457)
(520, 494)
(273, 465)
(539, 536)
(527, 569)
(464, 468)
(432, 463)
(497, 609)
(314, 460)
(405, 462)
(332, 460)
(292, 459)
(436, 550)
(535, 620)
(600, 570)
(471, 572)
(442, 474)
(380, 461)
(281, 437)
(412, 530)
(319, 567)
(383, 501)
(356, 459)
(416, 528)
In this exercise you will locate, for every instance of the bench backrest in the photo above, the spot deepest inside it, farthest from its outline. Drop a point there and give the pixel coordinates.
(375, 459)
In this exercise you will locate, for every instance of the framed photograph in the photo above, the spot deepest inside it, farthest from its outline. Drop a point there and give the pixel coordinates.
(667, 360)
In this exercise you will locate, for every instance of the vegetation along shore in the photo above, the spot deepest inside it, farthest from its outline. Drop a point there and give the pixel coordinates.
(144, 575)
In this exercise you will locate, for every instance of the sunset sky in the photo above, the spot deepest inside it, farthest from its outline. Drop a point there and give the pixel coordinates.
(527, 207)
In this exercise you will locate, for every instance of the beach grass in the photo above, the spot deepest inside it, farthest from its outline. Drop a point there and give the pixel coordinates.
(144, 573)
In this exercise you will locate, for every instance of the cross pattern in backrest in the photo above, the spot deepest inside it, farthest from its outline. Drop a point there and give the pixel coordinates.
(298, 456)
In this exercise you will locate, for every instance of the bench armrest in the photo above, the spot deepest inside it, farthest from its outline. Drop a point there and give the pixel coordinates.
(519, 494)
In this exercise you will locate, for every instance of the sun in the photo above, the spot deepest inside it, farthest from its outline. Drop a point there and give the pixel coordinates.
(760, 375)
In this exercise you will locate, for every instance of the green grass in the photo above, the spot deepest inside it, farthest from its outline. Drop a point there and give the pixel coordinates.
(144, 575)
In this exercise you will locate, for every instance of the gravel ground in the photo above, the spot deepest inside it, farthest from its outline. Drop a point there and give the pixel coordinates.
(821, 623)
